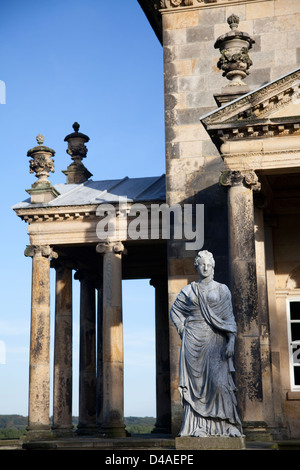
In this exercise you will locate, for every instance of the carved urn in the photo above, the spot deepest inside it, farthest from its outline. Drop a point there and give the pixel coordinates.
(41, 162)
(234, 46)
(76, 148)
(76, 172)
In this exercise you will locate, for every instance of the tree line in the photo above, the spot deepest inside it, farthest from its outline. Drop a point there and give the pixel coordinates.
(14, 426)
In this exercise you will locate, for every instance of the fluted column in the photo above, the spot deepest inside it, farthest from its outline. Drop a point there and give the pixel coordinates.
(62, 386)
(163, 400)
(244, 292)
(113, 387)
(87, 354)
(39, 372)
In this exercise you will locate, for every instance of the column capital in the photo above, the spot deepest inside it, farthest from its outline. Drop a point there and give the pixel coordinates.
(40, 250)
(246, 178)
(110, 247)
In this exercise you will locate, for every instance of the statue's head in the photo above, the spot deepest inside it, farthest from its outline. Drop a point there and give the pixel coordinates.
(205, 264)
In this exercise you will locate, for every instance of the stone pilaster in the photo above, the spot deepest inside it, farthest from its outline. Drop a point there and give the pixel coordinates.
(39, 371)
(62, 386)
(87, 354)
(245, 295)
(163, 400)
(113, 394)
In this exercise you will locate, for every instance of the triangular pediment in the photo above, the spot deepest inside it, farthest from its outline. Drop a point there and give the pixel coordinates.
(274, 102)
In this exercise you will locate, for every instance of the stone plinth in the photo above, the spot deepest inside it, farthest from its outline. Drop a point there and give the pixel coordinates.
(210, 443)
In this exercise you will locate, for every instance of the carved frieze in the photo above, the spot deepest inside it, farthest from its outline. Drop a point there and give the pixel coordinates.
(272, 103)
(179, 4)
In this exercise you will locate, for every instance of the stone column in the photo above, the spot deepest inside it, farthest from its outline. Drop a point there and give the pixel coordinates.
(39, 372)
(87, 355)
(163, 399)
(245, 294)
(62, 386)
(113, 391)
(99, 418)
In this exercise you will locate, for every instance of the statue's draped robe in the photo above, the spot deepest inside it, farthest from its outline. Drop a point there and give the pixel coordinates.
(204, 320)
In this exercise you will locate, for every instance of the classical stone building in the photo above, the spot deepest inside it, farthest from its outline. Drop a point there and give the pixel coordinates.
(232, 135)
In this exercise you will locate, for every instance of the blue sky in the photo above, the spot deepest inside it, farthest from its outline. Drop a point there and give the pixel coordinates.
(98, 63)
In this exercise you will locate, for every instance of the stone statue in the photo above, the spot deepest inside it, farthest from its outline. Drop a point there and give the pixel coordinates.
(202, 314)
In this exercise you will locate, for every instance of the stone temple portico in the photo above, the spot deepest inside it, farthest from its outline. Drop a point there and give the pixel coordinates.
(63, 226)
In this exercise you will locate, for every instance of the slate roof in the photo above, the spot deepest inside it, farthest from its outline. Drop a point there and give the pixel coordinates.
(145, 189)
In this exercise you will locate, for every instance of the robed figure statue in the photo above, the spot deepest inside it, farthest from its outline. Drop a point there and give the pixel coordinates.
(203, 316)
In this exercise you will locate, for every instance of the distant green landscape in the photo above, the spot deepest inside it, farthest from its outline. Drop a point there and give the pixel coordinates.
(14, 426)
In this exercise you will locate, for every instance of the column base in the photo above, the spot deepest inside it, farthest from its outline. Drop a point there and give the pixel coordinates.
(40, 433)
(86, 430)
(113, 432)
(210, 443)
(63, 431)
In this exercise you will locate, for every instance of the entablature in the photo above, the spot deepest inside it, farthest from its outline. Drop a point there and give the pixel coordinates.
(91, 224)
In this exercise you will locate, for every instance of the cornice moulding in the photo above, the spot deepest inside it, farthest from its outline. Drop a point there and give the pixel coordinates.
(68, 213)
(256, 130)
(167, 6)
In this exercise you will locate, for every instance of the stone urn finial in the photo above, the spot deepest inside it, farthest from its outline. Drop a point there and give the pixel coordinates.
(234, 46)
(41, 163)
(76, 148)
(76, 172)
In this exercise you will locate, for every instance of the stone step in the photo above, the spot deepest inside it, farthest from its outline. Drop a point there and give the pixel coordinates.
(93, 443)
